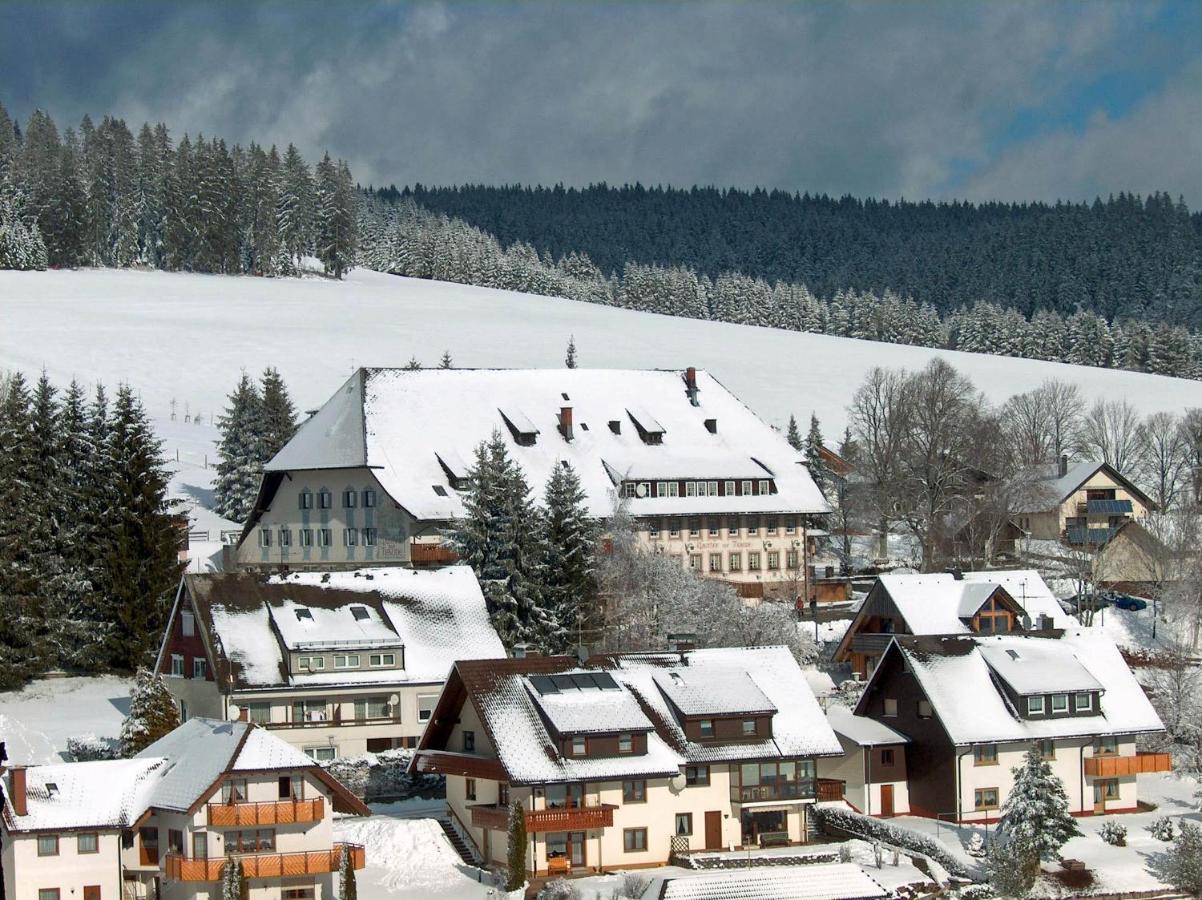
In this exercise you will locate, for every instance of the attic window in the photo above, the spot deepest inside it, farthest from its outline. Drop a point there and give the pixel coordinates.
(584, 426)
(615, 426)
(303, 614)
(51, 789)
(523, 430)
(360, 613)
(1013, 654)
(711, 425)
(439, 490)
(650, 430)
(565, 396)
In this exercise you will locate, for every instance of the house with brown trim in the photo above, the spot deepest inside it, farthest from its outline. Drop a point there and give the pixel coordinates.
(986, 602)
(375, 476)
(161, 826)
(335, 663)
(1081, 505)
(971, 706)
(631, 759)
(872, 770)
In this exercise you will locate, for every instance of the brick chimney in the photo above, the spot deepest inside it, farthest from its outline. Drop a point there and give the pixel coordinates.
(565, 422)
(1063, 464)
(690, 384)
(16, 790)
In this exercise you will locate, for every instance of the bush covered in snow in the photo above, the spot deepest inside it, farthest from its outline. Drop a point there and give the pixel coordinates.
(872, 830)
(152, 713)
(559, 889)
(976, 846)
(381, 777)
(1161, 829)
(1113, 833)
(89, 748)
(634, 885)
(975, 892)
(1181, 864)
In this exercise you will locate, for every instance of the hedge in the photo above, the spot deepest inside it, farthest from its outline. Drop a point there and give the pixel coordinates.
(870, 829)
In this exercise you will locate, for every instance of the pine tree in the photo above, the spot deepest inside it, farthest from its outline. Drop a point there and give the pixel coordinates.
(295, 207)
(813, 455)
(240, 452)
(152, 713)
(793, 434)
(1010, 873)
(446, 362)
(571, 576)
(233, 880)
(1182, 863)
(569, 359)
(517, 847)
(347, 889)
(278, 415)
(140, 553)
(336, 220)
(1035, 819)
(414, 365)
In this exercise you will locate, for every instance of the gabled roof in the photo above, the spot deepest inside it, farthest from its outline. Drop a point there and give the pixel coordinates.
(861, 730)
(409, 426)
(1057, 488)
(836, 881)
(175, 773)
(959, 678)
(436, 616)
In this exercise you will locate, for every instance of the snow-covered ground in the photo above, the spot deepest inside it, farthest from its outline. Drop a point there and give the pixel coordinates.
(36, 721)
(187, 337)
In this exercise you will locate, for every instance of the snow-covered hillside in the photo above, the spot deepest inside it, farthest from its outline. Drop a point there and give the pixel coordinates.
(187, 337)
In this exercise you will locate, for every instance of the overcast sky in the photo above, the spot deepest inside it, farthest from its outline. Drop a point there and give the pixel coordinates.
(999, 100)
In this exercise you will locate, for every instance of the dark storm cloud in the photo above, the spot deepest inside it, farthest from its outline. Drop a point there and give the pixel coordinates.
(999, 99)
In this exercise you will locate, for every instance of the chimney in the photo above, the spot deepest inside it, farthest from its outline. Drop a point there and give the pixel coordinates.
(16, 790)
(1063, 464)
(565, 422)
(711, 425)
(690, 383)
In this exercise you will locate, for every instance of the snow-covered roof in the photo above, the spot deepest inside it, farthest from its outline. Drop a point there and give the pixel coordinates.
(580, 706)
(174, 773)
(407, 424)
(765, 678)
(836, 881)
(1030, 667)
(862, 730)
(436, 615)
(956, 675)
(939, 603)
(1049, 488)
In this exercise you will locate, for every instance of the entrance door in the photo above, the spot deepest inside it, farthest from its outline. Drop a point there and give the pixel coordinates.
(91, 892)
(713, 830)
(886, 799)
(1099, 797)
(576, 848)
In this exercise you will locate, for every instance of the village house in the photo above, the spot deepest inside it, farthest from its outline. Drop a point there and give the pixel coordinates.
(1081, 505)
(160, 826)
(872, 770)
(988, 602)
(335, 663)
(632, 759)
(376, 474)
(971, 706)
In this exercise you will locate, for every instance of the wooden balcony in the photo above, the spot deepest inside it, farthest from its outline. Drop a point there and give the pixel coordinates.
(148, 856)
(431, 555)
(495, 818)
(279, 812)
(575, 818)
(1117, 766)
(264, 865)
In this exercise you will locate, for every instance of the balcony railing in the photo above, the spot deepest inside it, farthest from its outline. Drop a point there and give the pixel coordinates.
(571, 818)
(830, 789)
(264, 865)
(1117, 766)
(781, 790)
(431, 554)
(280, 812)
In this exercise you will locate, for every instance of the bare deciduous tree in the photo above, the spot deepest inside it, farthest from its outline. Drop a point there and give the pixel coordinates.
(1112, 432)
(1043, 424)
(1165, 456)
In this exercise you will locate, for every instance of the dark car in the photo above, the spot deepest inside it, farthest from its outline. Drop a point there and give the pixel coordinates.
(1129, 603)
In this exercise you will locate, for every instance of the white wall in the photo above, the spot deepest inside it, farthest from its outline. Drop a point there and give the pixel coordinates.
(25, 873)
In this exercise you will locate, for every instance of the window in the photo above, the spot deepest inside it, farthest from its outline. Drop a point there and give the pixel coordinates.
(735, 561)
(1108, 789)
(674, 528)
(369, 498)
(984, 755)
(259, 713)
(260, 840)
(772, 524)
(177, 665)
(706, 727)
(502, 794)
(350, 536)
(634, 791)
(653, 528)
(360, 613)
(690, 489)
(625, 743)
(753, 525)
(349, 498)
(285, 537)
(924, 709)
(715, 562)
(713, 489)
(1035, 706)
(753, 561)
(323, 537)
(1059, 703)
(298, 893)
(773, 560)
(373, 708)
(579, 746)
(1082, 702)
(746, 488)
(633, 840)
(200, 845)
(695, 562)
(264, 537)
(661, 488)
(748, 727)
(200, 668)
(694, 527)
(887, 757)
(306, 537)
(697, 776)
(310, 663)
(730, 488)
(306, 500)
(425, 706)
(469, 788)
(175, 841)
(791, 561)
(323, 499)
(346, 660)
(47, 893)
(1105, 745)
(369, 536)
(684, 823)
(985, 798)
(790, 525)
(1046, 749)
(309, 711)
(187, 623)
(890, 708)
(382, 659)
(88, 842)
(469, 742)
(764, 487)
(320, 754)
(233, 790)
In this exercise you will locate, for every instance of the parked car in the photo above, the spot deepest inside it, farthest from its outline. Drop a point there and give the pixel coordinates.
(1129, 603)
(1102, 599)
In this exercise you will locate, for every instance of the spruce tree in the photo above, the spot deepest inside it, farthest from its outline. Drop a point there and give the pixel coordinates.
(152, 714)
(233, 880)
(347, 890)
(278, 419)
(517, 847)
(793, 434)
(446, 362)
(571, 536)
(240, 452)
(569, 359)
(813, 456)
(1035, 819)
(1181, 865)
(414, 365)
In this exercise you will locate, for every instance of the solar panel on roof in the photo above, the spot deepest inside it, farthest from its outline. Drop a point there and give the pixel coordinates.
(1108, 507)
(584, 681)
(605, 681)
(543, 684)
(360, 613)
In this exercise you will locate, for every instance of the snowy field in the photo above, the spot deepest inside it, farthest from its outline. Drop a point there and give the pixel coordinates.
(36, 721)
(186, 337)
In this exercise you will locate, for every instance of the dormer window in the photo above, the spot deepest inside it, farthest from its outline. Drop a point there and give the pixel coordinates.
(304, 615)
(748, 727)
(579, 746)
(360, 613)
(1082, 702)
(1035, 706)
(706, 728)
(1059, 703)
(625, 743)
(323, 499)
